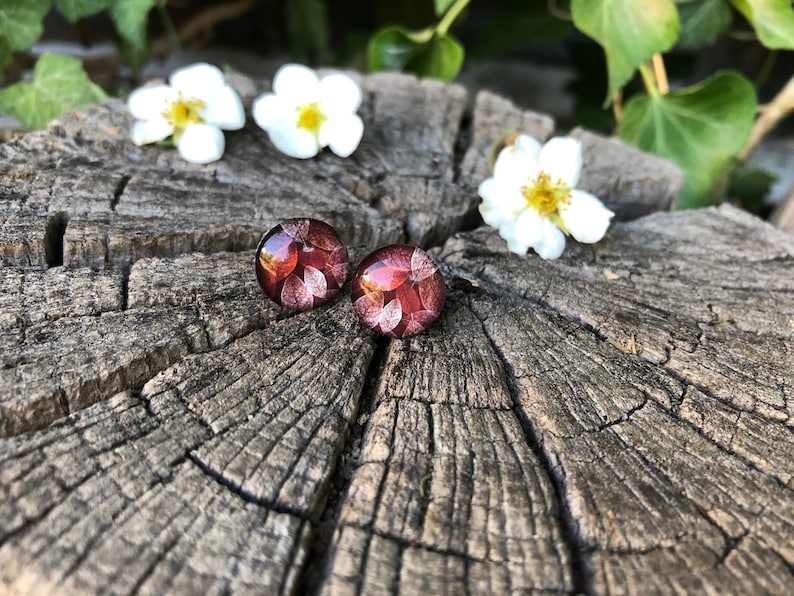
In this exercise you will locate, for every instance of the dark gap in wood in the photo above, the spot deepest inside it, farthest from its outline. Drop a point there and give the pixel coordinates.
(406, 544)
(244, 494)
(370, 529)
(53, 239)
(125, 289)
(64, 402)
(318, 560)
(581, 565)
(471, 220)
(119, 190)
(462, 142)
(731, 544)
(375, 181)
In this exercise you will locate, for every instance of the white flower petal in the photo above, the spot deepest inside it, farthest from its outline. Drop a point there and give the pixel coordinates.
(527, 148)
(294, 141)
(223, 108)
(528, 227)
(585, 217)
(197, 80)
(297, 83)
(517, 165)
(342, 134)
(487, 189)
(201, 143)
(508, 233)
(340, 94)
(268, 111)
(517, 247)
(493, 216)
(561, 159)
(151, 131)
(503, 207)
(151, 101)
(552, 241)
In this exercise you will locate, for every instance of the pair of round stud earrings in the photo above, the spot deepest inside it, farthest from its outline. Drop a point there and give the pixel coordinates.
(397, 291)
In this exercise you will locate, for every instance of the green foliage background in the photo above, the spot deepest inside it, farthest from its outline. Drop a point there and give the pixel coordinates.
(702, 128)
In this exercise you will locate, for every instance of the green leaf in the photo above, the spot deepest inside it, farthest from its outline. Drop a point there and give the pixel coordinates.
(702, 22)
(421, 52)
(773, 21)
(519, 24)
(20, 25)
(77, 9)
(442, 6)
(750, 186)
(59, 84)
(629, 31)
(699, 128)
(131, 17)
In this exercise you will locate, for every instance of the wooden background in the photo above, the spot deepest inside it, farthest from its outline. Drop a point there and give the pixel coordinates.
(618, 421)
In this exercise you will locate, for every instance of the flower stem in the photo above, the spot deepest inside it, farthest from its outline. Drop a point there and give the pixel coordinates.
(558, 12)
(649, 80)
(617, 105)
(449, 17)
(659, 73)
(766, 69)
(168, 23)
(772, 113)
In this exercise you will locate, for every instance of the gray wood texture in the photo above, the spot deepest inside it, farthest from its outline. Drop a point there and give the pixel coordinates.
(618, 421)
(783, 214)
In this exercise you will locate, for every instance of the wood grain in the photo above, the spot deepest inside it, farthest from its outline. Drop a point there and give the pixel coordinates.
(617, 421)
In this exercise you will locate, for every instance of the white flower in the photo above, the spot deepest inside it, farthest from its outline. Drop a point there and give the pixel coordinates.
(193, 108)
(532, 200)
(305, 113)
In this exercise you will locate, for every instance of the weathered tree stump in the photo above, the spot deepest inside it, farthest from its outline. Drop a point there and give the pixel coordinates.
(619, 420)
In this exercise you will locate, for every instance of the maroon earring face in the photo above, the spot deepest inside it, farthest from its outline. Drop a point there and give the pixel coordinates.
(301, 263)
(398, 291)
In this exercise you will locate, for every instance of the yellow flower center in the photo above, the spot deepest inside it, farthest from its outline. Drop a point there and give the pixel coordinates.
(545, 196)
(182, 113)
(311, 118)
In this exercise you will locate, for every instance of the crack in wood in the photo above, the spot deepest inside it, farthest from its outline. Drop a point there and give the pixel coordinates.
(311, 576)
(119, 190)
(581, 565)
(53, 239)
(246, 495)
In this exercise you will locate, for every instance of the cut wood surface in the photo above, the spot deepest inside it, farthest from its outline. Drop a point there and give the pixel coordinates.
(620, 420)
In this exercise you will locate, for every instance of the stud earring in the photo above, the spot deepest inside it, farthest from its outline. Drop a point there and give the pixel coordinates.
(301, 263)
(398, 291)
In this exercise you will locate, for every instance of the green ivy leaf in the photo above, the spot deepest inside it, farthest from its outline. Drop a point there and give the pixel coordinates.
(519, 24)
(77, 9)
(59, 84)
(702, 22)
(442, 6)
(131, 17)
(424, 53)
(773, 21)
(750, 186)
(699, 128)
(629, 31)
(20, 25)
